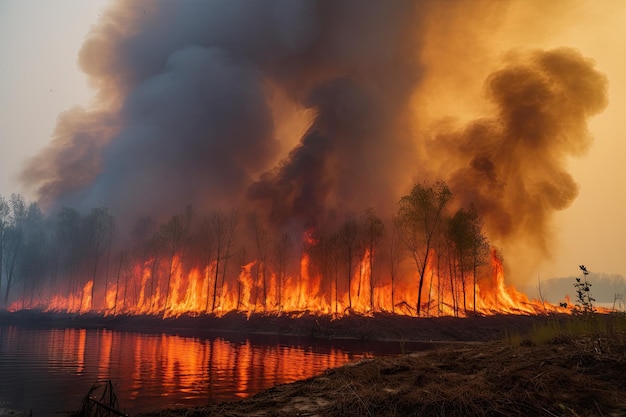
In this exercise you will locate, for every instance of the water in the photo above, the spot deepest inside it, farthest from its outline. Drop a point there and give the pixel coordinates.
(49, 370)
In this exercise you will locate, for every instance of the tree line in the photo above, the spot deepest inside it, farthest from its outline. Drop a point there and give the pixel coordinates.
(425, 260)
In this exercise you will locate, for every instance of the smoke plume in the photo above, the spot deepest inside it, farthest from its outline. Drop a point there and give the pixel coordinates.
(512, 165)
(186, 113)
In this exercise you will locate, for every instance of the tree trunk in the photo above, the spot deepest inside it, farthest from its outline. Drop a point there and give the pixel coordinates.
(154, 279)
(10, 276)
(421, 282)
(117, 285)
(93, 287)
(169, 279)
(350, 279)
(371, 276)
(475, 287)
(217, 268)
(463, 288)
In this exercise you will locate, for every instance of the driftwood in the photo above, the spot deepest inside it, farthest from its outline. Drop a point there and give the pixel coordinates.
(100, 401)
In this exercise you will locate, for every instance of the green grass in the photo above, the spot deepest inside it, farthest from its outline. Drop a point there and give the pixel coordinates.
(596, 325)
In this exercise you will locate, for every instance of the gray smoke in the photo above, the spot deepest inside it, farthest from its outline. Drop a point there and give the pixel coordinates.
(184, 114)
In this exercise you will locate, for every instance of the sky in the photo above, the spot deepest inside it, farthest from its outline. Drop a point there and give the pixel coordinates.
(40, 78)
(39, 75)
(593, 230)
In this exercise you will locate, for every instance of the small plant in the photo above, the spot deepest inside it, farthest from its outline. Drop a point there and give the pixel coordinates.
(584, 300)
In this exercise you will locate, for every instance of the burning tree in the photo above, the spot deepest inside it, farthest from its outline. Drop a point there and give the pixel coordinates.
(282, 252)
(315, 114)
(99, 229)
(470, 245)
(420, 215)
(373, 231)
(174, 236)
(361, 264)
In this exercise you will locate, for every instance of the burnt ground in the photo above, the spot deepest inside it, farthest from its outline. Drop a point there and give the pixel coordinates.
(381, 326)
(483, 373)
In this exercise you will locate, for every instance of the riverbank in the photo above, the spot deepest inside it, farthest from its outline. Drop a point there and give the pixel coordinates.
(567, 376)
(379, 327)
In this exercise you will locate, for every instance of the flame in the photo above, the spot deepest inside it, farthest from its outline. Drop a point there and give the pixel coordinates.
(110, 298)
(75, 302)
(143, 289)
(85, 304)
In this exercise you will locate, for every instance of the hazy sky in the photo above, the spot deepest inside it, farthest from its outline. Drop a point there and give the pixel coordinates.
(593, 230)
(40, 78)
(39, 75)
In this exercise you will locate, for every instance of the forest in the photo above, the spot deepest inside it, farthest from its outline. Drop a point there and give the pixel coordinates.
(430, 258)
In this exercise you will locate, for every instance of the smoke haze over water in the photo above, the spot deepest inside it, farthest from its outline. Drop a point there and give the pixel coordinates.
(186, 113)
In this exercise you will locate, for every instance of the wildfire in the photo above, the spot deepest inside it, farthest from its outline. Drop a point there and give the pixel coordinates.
(302, 146)
(192, 292)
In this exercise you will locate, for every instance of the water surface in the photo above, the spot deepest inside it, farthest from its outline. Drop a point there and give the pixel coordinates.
(49, 370)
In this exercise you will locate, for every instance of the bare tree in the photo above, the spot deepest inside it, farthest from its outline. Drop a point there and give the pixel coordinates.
(372, 232)
(459, 231)
(243, 261)
(155, 251)
(98, 229)
(440, 246)
(348, 239)
(452, 275)
(419, 215)
(282, 252)
(33, 261)
(394, 253)
(223, 228)
(542, 295)
(206, 252)
(14, 242)
(479, 246)
(262, 241)
(122, 266)
(472, 247)
(325, 257)
(146, 249)
(70, 241)
(175, 234)
(5, 211)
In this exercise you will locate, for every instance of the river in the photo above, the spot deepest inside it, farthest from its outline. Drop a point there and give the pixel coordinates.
(49, 370)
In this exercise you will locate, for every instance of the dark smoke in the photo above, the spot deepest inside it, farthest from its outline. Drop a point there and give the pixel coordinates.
(190, 85)
(184, 115)
(344, 158)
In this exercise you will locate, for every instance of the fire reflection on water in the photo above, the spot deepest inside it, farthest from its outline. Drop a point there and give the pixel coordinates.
(187, 366)
(80, 357)
(149, 371)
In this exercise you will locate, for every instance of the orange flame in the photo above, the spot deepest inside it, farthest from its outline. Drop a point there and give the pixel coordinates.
(143, 290)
